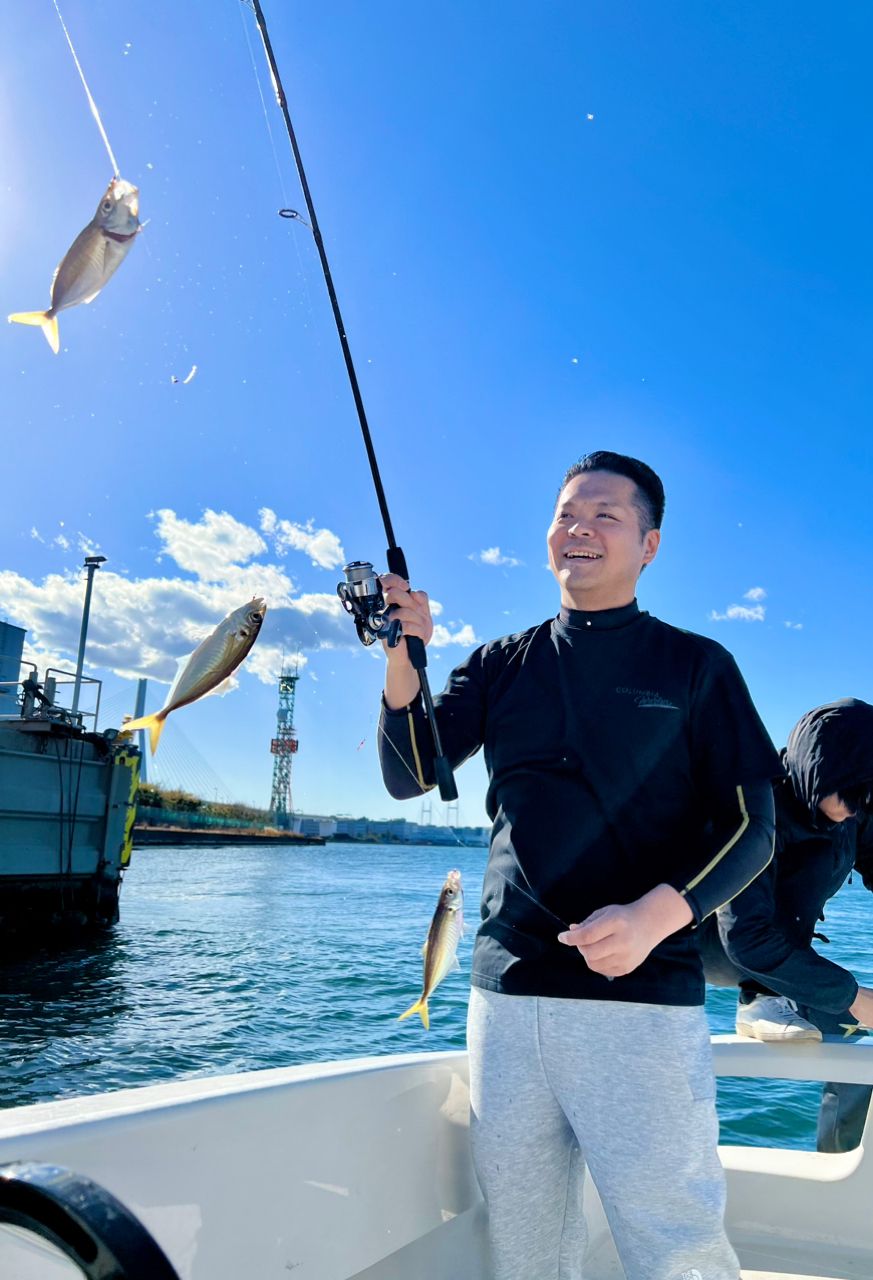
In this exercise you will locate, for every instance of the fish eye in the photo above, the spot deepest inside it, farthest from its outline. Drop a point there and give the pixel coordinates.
(107, 205)
(254, 619)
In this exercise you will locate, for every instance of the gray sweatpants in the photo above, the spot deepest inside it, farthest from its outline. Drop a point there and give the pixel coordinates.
(627, 1089)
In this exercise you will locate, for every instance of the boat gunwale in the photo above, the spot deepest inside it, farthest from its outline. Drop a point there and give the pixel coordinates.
(733, 1056)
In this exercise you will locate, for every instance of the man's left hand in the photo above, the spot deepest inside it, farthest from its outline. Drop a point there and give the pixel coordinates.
(615, 940)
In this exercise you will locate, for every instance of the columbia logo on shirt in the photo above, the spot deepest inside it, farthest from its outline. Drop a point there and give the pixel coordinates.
(647, 698)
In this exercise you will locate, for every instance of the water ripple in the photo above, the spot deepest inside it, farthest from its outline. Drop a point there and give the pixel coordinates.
(239, 959)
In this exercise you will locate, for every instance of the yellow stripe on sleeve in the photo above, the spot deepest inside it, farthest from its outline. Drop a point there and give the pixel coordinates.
(727, 848)
(414, 744)
(692, 884)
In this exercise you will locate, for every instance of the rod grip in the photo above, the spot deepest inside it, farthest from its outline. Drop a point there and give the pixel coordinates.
(397, 562)
(445, 779)
(417, 652)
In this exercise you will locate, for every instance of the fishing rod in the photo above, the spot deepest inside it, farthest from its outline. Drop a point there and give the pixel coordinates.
(361, 593)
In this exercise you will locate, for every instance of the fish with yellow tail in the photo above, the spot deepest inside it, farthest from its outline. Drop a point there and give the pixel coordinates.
(95, 255)
(209, 666)
(440, 949)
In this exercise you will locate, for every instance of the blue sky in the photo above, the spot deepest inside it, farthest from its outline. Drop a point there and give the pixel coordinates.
(552, 228)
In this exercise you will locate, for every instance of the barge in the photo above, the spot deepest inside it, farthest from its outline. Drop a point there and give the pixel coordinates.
(67, 806)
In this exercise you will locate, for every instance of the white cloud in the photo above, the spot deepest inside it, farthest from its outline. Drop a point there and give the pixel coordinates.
(59, 541)
(85, 545)
(208, 546)
(442, 636)
(143, 626)
(266, 662)
(740, 613)
(323, 547)
(494, 556)
(744, 613)
(794, 626)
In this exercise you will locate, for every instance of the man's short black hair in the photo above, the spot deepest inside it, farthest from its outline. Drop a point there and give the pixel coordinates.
(649, 500)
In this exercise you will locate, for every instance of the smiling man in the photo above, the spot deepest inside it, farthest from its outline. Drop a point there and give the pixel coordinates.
(629, 790)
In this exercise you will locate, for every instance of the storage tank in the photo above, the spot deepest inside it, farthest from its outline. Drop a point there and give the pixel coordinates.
(11, 647)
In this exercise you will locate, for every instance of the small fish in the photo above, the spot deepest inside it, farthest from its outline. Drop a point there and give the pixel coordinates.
(440, 949)
(209, 666)
(95, 254)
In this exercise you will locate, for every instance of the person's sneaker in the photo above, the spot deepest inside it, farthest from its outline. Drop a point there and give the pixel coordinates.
(774, 1018)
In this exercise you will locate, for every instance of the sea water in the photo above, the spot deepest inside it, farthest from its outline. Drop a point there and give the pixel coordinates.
(238, 958)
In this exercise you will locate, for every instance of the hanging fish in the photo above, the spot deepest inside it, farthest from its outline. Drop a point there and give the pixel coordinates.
(208, 667)
(96, 253)
(440, 949)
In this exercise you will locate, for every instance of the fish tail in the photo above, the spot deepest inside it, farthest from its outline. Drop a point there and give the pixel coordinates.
(154, 724)
(48, 324)
(420, 1007)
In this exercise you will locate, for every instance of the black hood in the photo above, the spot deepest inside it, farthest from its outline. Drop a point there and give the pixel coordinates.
(829, 749)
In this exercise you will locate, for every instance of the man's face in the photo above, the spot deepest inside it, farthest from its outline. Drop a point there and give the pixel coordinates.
(596, 549)
(835, 808)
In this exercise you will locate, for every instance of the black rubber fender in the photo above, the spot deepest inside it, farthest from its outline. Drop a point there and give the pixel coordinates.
(83, 1220)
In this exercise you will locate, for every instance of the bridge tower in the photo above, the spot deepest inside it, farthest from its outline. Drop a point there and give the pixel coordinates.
(283, 748)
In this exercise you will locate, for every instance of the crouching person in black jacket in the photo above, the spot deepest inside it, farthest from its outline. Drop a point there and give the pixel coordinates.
(762, 940)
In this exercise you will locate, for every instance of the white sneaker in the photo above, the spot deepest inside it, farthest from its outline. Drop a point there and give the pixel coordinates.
(774, 1018)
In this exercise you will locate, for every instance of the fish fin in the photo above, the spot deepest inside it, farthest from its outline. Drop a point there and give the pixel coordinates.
(155, 725)
(92, 296)
(420, 1007)
(48, 324)
(456, 964)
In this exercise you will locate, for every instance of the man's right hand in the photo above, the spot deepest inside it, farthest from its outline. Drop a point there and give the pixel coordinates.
(862, 1009)
(412, 609)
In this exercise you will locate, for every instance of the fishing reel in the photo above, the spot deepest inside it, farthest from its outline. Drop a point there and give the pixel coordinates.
(361, 596)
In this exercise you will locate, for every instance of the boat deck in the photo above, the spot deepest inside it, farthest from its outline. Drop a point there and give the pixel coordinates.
(361, 1171)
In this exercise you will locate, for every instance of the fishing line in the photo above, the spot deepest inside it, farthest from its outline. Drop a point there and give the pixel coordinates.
(514, 883)
(535, 901)
(394, 555)
(325, 267)
(93, 105)
(284, 212)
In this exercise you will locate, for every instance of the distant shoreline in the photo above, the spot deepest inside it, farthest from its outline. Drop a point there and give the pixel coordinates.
(155, 837)
(143, 837)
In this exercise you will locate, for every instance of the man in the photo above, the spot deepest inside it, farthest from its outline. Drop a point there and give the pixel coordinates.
(629, 789)
(762, 941)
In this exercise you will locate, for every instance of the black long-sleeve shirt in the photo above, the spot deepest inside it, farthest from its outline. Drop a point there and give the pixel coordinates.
(619, 751)
(766, 934)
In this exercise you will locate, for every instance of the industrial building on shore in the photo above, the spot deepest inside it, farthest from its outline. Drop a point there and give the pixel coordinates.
(392, 830)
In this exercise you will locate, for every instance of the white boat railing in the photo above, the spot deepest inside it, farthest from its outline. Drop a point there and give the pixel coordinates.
(789, 1205)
